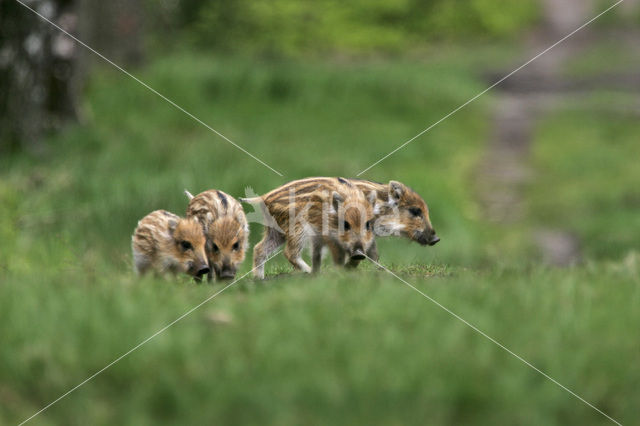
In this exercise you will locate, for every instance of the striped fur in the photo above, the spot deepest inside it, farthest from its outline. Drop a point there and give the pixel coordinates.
(164, 242)
(313, 210)
(399, 211)
(225, 226)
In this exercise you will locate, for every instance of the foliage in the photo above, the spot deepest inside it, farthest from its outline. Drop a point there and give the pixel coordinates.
(294, 28)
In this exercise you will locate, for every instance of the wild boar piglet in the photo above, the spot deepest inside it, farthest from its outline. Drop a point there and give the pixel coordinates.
(226, 229)
(164, 242)
(314, 211)
(399, 211)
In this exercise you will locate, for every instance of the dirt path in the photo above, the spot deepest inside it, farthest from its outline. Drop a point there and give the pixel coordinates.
(535, 90)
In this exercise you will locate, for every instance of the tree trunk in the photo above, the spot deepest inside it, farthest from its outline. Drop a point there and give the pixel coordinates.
(42, 70)
(39, 81)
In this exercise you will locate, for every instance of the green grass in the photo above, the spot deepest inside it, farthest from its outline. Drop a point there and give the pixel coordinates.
(341, 347)
(588, 184)
(589, 63)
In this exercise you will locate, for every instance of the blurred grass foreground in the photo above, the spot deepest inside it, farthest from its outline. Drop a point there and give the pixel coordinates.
(539, 218)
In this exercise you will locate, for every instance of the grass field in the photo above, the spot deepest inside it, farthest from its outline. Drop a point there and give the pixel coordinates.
(341, 347)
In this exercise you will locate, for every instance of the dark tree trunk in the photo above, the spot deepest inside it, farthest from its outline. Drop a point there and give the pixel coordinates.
(39, 79)
(42, 70)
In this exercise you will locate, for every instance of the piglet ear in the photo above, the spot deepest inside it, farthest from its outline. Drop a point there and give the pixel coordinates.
(241, 219)
(396, 189)
(172, 225)
(239, 216)
(336, 200)
(372, 197)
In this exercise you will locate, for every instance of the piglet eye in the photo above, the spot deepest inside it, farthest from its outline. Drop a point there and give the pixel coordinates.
(235, 246)
(415, 211)
(215, 248)
(347, 226)
(368, 225)
(186, 245)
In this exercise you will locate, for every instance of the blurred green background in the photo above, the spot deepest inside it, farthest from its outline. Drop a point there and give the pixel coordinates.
(533, 188)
